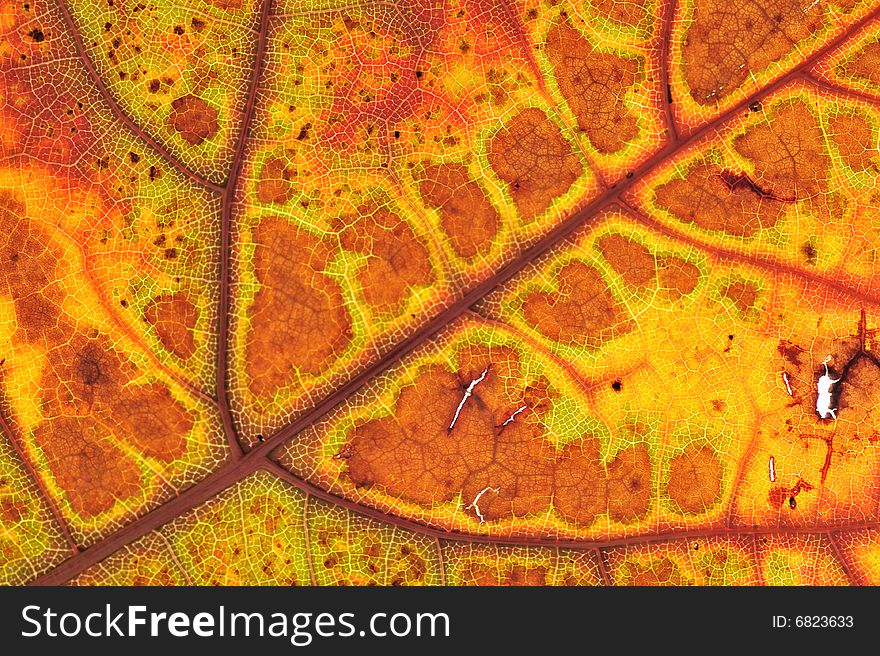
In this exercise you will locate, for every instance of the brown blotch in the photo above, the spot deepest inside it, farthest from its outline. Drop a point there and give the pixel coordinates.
(677, 277)
(86, 386)
(28, 265)
(629, 484)
(859, 394)
(632, 13)
(412, 454)
(504, 574)
(86, 464)
(12, 511)
(415, 455)
(742, 294)
(594, 85)
(702, 197)
(854, 137)
(194, 119)
(866, 63)
(722, 48)
(275, 182)
(660, 571)
(536, 161)
(582, 312)
(88, 378)
(789, 154)
(632, 260)
(174, 318)
(695, 479)
(580, 482)
(777, 495)
(397, 260)
(512, 466)
(466, 214)
(299, 319)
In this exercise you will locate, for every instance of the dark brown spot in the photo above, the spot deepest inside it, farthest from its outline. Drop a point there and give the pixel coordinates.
(194, 119)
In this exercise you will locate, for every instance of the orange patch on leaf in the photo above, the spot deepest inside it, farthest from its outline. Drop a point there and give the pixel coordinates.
(742, 294)
(633, 261)
(504, 574)
(709, 197)
(594, 85)
(629, 484)
(86, 464)
(695, 479)
(581, 488)
(854, 137)
(660, 571)
(723, 46)
(174, 318)
(441, 443)
(789, 154)
(536, 161)
(12, 511)
(28, 264)
(274, 184)
(397, 259)
(582, 312)
(194, 119)
(677, 277)
(866, 64)
(86, 377)
(299, 319)
(432, 450)
(626, 12)
(466, 214)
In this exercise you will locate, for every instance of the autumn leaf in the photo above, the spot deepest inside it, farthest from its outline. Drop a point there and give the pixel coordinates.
(444, 292)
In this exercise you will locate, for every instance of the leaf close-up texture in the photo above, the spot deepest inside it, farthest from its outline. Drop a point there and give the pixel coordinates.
(440, 292)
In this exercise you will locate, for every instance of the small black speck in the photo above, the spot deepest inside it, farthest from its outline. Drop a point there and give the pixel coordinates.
(134, 157)
(730, 338)
(37, 35)
(810, 253)
(123, 303)
(616, 385)
(792, 503)
(397, 134)
(178, 30)
(419, 74)
(755, 106)
(629, 174)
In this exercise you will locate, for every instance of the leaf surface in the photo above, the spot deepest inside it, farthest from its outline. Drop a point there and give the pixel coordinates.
(444, 292)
